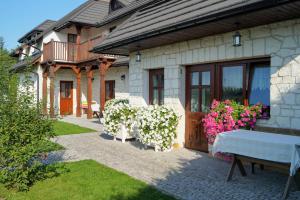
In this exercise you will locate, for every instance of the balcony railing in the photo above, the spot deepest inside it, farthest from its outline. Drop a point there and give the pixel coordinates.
(70, 52)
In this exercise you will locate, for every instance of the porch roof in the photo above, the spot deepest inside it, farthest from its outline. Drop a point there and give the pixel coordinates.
(168, 21)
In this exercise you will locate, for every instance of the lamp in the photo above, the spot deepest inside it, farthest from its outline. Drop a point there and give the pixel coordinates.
(138, 57)
(123, 77)
(237, 37)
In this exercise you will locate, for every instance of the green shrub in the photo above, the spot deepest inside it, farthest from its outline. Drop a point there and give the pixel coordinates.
(23, 130)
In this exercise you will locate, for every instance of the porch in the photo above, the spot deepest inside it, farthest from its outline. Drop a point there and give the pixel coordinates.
(70, 89)
(184, 173)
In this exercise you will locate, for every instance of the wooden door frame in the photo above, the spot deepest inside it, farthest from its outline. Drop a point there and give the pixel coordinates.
(216, 80)
(189, 70)
(60, 96)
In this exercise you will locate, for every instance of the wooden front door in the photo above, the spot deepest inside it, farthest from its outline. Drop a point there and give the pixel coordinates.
(109, 90)
(66, 97)
(199, 95)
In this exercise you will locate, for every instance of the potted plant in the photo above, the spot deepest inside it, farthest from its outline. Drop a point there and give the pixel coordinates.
(119, 119)
(157, 127)
(227, 116)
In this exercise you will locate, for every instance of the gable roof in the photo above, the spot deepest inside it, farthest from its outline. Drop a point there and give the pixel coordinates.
(132, 6)
(38, 29)
(162, 17)
(88, 13)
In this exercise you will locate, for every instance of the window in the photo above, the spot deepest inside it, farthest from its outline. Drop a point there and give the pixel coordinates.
(156, 86)
(111, 29)
(259, 87)
(109, 90)
(72, 38)
(232, 83)
(247, 83)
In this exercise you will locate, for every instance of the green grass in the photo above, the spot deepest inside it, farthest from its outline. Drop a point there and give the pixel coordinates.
(88, 180)
(64, 128)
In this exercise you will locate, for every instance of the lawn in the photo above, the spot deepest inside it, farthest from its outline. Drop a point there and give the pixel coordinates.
(64, 128)
(88, 180)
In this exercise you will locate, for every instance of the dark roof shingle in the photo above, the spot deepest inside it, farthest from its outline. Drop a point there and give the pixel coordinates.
(40, 28)
(132, 7)
(89, 13)
(162, 16)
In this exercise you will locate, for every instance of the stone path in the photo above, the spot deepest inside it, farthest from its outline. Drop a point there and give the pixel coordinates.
(183, 173)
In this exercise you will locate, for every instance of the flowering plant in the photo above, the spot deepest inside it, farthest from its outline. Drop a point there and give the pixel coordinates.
(157, 126)
(229, 115)
(117, 112)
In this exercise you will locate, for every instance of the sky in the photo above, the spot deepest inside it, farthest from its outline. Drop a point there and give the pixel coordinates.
(17, 17)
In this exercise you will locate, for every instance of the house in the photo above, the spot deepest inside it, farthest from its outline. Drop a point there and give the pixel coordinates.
(184, 54)
(67, 76)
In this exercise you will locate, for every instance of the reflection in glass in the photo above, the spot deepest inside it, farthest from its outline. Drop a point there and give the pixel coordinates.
(195, 78)
(205, 104)
(161, 101)
(260, 86)
(232, 83)
(195, 100)
(155, 80)
(205, 78)
(155, 96)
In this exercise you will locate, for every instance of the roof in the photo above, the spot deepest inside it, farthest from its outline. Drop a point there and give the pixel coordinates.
(165, 16)
(40, 28)
(23, 63)
(132, 6)
(88, 13)
(121, 62)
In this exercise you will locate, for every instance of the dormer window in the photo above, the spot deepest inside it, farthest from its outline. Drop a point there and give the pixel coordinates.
(115, 5)
(111, 29)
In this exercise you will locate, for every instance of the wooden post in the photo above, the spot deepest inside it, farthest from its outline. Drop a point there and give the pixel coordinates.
(78, 95)
(103, 67)
(78, 41)
(52, 76)
(89, 73)
(45, 77)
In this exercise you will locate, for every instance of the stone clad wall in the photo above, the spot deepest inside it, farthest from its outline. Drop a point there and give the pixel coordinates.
(280, 41)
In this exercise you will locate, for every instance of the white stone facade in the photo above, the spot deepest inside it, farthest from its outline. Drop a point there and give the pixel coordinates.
(280, 41)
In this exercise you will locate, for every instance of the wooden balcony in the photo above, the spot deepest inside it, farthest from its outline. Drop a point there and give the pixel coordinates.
(71, 52)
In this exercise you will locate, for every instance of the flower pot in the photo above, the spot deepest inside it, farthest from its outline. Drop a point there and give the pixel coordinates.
(124, 134)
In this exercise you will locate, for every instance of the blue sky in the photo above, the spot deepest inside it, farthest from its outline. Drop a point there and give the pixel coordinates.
(17, 17)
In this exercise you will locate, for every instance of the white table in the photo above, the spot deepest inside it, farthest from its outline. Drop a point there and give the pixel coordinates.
(275, 148)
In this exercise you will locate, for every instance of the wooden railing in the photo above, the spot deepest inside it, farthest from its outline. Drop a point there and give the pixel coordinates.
(60, 51)
(70, 52)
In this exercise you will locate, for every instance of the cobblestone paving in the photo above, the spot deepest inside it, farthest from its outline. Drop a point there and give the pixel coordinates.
(183, 173)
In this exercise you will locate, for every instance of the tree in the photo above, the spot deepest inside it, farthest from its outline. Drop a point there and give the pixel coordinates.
(23, 129)
(1, 43)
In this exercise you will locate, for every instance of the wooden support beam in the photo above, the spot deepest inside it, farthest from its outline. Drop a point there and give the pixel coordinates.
(89, 73)
(52, 76)
(78, 94)
(103, 67)
(45, 95)
(78, 41)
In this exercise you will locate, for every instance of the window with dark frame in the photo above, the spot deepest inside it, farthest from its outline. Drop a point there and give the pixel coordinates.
(247, 83)
(111, 29)
(156, 86)
(72, 38)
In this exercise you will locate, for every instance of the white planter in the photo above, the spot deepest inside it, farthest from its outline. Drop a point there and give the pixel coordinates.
(124, 134)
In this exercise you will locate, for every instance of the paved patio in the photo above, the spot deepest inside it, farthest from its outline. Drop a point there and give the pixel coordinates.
(186, 174)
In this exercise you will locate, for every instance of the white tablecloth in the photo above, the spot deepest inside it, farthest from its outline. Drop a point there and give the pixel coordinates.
(261, 145)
